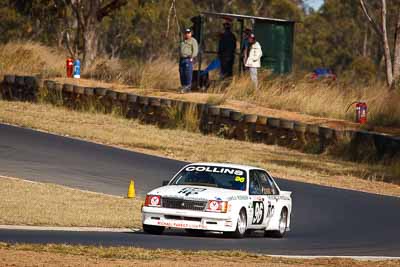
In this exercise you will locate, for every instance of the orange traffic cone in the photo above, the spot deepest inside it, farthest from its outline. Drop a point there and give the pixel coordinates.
(131, 190)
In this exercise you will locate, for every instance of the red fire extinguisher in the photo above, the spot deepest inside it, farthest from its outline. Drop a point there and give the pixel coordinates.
(361, 111)
(70, 67)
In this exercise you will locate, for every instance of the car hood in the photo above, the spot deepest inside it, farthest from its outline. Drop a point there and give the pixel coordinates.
(197, 192)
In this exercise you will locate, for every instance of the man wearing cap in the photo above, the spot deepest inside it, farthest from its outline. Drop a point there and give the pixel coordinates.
(188, 50)
(253, 61)
(226, 50)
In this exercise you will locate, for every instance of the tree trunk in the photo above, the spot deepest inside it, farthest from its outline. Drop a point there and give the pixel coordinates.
(89, 14)
(396, 60)
(386, 48)
(90, 44)
(365, 43)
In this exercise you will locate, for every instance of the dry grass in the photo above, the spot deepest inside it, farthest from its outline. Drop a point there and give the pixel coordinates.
(216, 100)
(114, 70)
(160, 73)
(67, 255)
(31, 58)
(185, 119)
(183, 145)
(31, 203)
(319, 98)
(289, 93)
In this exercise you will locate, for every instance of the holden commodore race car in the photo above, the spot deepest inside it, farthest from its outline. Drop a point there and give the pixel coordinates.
(215, 197)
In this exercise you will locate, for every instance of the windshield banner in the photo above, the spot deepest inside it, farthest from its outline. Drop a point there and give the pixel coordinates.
(214, 170)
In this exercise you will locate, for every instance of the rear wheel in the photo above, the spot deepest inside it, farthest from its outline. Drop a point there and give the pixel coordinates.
(152, 229)
(283, 221)
(241, 226)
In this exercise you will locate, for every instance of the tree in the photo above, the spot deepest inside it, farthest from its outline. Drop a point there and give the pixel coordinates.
(13, 24)
(332, 37)
(89, 15)
(392, 64)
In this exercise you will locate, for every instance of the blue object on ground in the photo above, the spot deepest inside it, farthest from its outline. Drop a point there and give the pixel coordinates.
(322, 71)
(215, 64)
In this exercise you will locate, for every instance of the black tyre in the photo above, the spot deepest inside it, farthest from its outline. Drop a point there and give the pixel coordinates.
(152, 229)
(283, 222)
(241, 226)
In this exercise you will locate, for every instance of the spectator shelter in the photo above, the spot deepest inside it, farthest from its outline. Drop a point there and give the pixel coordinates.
(276, 37)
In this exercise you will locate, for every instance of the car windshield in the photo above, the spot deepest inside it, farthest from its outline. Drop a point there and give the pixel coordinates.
(215, 176)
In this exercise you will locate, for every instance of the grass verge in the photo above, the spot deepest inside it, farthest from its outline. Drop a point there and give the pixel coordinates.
(296, 93)
(66, 255)
(188, 146)
(31, 203)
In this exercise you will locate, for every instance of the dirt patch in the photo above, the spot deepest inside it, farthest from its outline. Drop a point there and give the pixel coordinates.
(64, 255)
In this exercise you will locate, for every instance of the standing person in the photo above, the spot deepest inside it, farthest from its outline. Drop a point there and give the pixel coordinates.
(226, 50)
(245, 47)
(253, 61)
(188, 50)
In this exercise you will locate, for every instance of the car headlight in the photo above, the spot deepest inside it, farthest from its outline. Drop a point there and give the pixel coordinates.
(153, 201)
(217, 206)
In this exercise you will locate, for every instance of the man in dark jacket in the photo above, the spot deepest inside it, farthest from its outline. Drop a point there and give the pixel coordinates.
(226, 50)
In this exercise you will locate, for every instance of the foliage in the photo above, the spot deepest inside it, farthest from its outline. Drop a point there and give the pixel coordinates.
(336, 36)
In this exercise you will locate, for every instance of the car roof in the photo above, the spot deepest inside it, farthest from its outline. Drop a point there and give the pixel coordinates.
(227, 165)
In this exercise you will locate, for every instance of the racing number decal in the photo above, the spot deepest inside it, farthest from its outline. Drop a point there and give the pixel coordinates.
(191, 190)
(258, 212)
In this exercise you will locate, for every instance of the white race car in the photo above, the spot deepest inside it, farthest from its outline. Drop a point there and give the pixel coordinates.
(216, 197)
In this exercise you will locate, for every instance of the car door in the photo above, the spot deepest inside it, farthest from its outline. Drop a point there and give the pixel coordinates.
(271, 194)
(258, 201)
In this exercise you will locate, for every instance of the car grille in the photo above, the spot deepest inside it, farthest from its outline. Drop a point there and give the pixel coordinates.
(171, 217)
(176, 203)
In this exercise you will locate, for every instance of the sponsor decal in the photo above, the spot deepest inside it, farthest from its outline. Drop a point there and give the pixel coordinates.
(191, 190)
(215, 169)
(258, 214)
(240, 179)
(181, 225)
(271, 209)
(238, 198)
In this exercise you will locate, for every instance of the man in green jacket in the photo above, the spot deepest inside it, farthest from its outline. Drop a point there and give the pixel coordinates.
(188, 50)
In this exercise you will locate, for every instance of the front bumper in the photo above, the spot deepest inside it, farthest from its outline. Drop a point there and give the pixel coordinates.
(189, 219)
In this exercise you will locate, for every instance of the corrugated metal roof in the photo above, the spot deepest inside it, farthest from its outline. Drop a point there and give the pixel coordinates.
(237, 16)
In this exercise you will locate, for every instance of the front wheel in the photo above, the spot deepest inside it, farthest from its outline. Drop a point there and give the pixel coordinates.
(152, 229)
(283, 221)
(241, 226)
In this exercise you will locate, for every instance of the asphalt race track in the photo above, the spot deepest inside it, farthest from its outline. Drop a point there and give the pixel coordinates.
(325, 221)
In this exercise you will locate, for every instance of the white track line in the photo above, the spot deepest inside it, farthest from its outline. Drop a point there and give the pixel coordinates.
(67, 229)
(359, 258)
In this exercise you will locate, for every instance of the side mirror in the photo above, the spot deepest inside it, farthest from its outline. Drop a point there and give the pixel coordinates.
(164, 183)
